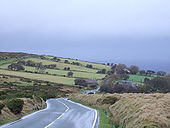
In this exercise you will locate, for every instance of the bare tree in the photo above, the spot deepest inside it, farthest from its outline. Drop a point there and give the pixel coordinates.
(134, 69)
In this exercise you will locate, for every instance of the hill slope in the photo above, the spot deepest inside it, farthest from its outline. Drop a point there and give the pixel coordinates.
(133, 110)
(57, 74)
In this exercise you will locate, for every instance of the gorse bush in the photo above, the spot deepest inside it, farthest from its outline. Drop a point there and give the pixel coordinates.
(1, 107)
(110, 100)
(45, 96)
(15, 105)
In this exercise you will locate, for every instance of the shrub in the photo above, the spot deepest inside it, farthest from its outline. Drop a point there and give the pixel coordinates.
(89, 66)
(67, 68)
(102, 71)
(1, 107)
(161, 73)
(76, 63)
(15, 67)
(15, 105)
(123, 88)
(158, 84)
(47, 96)
(67, 62)
(110, 100)
(134, 69)
(70, 74)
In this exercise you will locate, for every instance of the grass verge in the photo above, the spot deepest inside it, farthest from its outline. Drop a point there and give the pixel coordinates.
(104, 116)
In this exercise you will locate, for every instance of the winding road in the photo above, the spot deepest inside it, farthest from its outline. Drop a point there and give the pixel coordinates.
(60, 113)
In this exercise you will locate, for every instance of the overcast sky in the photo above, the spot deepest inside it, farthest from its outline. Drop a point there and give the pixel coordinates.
(96, 30)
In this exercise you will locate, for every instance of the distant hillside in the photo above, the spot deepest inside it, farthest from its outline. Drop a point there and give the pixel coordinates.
(58, 74)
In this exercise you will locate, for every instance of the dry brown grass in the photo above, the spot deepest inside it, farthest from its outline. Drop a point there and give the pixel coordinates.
(134, 110)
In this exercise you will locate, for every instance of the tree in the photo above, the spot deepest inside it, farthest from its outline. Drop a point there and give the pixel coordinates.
(161, 73)
(66, 68)
(110, 72)
(146, 80)
(150, 72)
(142, 72)
(89, 66)
(21, 62)
(113, 69)
(40, 68)
(102, 71)
(42, 57)
(67, 62)
(56, 59)
(70, 74)
(76, 63)
(119, 69)
(119, 88)
(16, 67)
(51, 66)
(30, 63)
(81, 82)
(134, 69)
(111, 64)
(158, 84)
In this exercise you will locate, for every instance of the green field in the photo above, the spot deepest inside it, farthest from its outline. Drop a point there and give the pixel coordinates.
(61, 66)
(76, 74)
(43, 77)
(57, 75)
(84, 63)
(139, 79)
(7, 61)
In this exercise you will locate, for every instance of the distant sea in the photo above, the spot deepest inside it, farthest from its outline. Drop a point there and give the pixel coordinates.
(156, 66)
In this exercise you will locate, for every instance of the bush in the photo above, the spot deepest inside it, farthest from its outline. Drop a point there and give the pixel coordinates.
(1, 107)
(123, 88)
(102, 71)
(16, 67)
(47, 96)
(15, 106)
(89, 66)
(67, 62)
(120, 88)
(158, 84)
(110, 100)
(80, 82)
(70, 74)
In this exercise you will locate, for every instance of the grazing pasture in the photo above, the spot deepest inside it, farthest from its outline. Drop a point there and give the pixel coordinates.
(58, 74)
(84, 63)
(139, 79)
(61, 66)
(43, 77)
(76, 74)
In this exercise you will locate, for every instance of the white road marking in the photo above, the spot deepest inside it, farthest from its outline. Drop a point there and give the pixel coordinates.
(80, 105)
(60, 115)
(96, 114)
(48, 106)
(95, 120)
